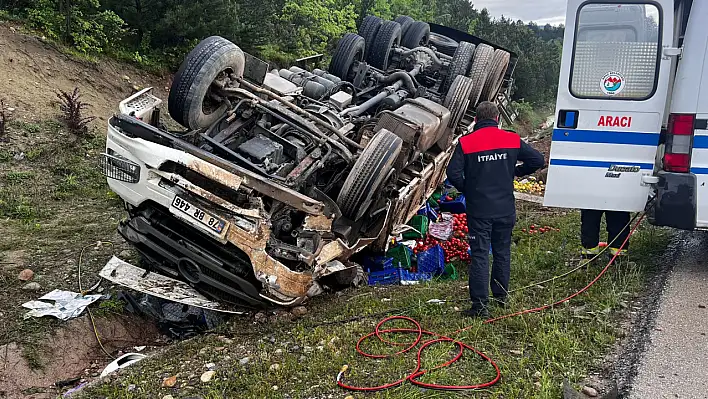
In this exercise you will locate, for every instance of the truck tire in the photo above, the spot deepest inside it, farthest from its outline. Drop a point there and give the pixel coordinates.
(443, 44)
(480, 71)
(388, 36)
(368, 29)
(368, 174)
(350, 48)
(460, 64)
(188, 103)
(497, 70)
(458, 99)
(405, 22)
(418, 34)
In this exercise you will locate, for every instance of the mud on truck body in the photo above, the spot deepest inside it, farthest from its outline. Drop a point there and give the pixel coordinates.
(282, 175)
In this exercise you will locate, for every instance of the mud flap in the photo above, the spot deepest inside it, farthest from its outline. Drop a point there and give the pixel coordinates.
(675, 201)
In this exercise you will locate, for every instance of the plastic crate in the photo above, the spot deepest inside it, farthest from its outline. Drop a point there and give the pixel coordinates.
(377, 263)
(401, 256)
(410, 277)
(456, 206)
(432, 261)
(450, 273)
(428, 211)
(386, 277)
(419, 223)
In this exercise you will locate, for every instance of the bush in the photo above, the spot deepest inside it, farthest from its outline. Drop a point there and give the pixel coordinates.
(72, 108)
(78, 23)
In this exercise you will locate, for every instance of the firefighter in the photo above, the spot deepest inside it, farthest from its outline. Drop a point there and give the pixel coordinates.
(617, 231)
(483, 169)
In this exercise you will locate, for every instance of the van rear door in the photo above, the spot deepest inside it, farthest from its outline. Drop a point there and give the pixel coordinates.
(612, 95)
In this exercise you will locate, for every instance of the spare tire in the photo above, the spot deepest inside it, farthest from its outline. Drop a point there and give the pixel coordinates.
(460, 64)
(458, 100)
(418, 34)
(351, 48)
(497, 70)
(368, 29)
(388, 36)
(443, 44)
(405, 22)
(479, 71)
(370, 170)
(188, 102)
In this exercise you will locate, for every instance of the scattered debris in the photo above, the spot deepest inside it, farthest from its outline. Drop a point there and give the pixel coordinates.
(67, 304)
(702, 306)
(122, 362)
(244, 361)
(516, 352)
(19, 157)
(169, 382)
(207, 376)
(589, 391)
(210, 366)
(123, 273)
(274, 367)
(537, 375)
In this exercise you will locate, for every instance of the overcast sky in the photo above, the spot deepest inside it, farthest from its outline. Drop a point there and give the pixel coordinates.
(539, 11)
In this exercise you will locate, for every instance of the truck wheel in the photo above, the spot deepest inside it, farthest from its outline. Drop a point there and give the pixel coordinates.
(405, 22)
(458, 100)
(189, 102)
(388, 36)
(349, 49)
(480, 71)
(443, 44)
(497, 70)
(460, 64)
(418, 35)
(368, 174)
(368, 29)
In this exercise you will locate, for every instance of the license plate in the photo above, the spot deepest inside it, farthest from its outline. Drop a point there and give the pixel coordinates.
(196, 214)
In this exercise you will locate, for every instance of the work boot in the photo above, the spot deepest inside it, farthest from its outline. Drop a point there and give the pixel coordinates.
(618, 252)
(589, 252)
(482, 313)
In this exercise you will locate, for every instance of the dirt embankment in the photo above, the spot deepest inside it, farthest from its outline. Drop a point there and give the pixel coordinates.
(32, 70)
(36, 354)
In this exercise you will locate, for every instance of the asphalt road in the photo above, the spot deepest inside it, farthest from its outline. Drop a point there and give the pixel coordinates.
(675, 364)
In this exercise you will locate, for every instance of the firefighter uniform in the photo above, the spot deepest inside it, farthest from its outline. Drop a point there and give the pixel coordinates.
(483, 169)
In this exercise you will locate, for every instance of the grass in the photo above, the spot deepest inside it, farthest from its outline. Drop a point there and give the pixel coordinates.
(566, 342)
(52, 203)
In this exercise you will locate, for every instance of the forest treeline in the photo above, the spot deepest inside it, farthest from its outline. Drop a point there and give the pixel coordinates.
(157, 33)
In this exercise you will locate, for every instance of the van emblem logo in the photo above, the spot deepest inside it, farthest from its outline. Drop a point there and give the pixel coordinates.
(612, 83)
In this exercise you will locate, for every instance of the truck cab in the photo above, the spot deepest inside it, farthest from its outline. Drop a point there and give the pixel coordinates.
(632, 111)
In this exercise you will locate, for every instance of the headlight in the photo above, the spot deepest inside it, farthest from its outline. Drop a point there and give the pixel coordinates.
(119, 168)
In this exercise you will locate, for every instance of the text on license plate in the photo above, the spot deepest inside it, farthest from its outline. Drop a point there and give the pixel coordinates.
(212, 222)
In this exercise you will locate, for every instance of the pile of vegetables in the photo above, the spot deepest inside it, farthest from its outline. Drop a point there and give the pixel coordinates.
(529, 186)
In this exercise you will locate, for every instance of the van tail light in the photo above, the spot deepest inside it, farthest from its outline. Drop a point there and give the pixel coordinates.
(679, 143)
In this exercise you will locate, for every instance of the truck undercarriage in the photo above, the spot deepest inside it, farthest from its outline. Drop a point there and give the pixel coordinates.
(283, 175)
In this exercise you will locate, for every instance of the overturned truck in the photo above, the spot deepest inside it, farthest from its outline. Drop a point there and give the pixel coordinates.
(282, 175)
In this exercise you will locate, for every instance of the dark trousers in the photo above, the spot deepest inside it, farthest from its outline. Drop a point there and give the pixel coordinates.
(482, 233)
(617, 226)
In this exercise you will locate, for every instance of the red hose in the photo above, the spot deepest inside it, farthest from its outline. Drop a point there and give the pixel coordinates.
(437, 338)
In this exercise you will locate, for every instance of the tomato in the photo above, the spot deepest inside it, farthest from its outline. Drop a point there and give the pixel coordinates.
(533, 226)
(523, 230)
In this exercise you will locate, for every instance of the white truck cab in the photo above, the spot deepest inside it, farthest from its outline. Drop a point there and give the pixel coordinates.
(632, 110)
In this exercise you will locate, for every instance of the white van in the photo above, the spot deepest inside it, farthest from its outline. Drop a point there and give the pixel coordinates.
(632, 110)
